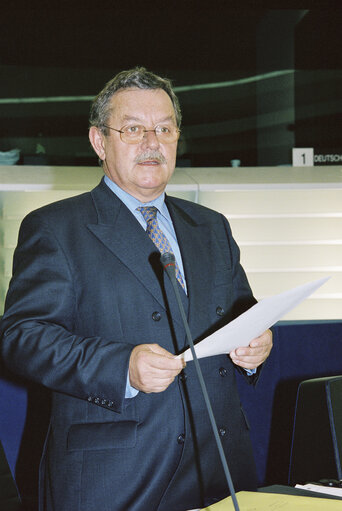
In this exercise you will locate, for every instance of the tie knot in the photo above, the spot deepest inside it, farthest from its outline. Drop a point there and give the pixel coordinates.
(148, 212)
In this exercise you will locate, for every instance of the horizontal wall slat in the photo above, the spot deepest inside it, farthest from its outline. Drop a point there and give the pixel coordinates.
(316, 309)
(283, 201)
(17, 204)
(264, 284)
(291, 256)
(286, 229)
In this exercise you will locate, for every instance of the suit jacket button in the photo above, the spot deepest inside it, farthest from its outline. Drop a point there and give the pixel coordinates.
(181, 439)
(156, 316)
(222, 431)
(219, 311)
(104, 402)
(90, 399)
(183, 376)
(110, 404)
(223, 371)
(97, 400)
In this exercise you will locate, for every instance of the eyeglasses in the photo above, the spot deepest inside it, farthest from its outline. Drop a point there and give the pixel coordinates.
(134, 134)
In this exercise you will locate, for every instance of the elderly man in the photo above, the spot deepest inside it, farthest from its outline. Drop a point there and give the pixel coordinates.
(91, 316)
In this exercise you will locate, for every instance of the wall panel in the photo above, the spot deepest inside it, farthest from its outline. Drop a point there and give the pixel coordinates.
(287, 221)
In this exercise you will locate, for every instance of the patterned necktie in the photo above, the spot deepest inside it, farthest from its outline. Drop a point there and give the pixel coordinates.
(157, 236)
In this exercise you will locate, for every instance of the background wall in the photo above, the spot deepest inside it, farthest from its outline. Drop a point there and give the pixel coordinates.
(252, 82)
(287, 221)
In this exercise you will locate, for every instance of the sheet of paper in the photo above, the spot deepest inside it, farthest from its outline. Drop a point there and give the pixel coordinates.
(253, 322)
(255, 501)
(321, 489)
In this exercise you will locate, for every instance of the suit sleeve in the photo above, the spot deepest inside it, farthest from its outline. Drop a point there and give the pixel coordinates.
(243, 297)
(38, 338)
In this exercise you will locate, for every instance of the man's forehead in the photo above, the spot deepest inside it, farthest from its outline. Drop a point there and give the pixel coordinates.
(134, 102)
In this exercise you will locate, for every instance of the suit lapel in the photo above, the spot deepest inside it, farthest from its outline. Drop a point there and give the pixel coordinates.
(122, 234)
(194, 242)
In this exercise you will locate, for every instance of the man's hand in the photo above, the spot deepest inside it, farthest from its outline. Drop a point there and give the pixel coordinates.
(255, 354)
(153, 369)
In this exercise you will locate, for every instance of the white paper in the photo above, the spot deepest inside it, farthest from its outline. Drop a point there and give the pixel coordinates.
(321, 489)
(252, 323)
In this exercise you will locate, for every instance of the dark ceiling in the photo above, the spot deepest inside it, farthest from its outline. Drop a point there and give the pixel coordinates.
(185, 35)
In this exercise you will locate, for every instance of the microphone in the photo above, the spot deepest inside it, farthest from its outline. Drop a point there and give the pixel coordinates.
(169, 264)
(168, 261)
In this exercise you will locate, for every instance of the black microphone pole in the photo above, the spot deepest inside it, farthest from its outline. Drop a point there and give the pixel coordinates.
(168, 262)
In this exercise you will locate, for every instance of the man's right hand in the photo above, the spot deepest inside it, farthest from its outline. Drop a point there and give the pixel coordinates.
(153, 369)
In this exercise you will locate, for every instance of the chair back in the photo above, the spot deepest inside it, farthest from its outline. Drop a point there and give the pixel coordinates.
(9, 498)
(316, 451)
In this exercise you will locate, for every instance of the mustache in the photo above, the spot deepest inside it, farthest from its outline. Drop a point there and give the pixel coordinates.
(150, 155)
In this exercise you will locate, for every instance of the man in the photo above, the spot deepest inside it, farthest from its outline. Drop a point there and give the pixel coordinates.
(90, 315)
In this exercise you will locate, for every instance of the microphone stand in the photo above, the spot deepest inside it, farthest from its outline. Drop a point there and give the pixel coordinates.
(168, 262)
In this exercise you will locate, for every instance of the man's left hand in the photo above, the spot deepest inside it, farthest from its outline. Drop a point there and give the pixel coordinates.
(255, 354)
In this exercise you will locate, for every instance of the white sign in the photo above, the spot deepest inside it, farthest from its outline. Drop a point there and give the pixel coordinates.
(302, 157)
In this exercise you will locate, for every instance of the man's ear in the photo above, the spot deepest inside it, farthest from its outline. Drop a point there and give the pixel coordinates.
(96, 138)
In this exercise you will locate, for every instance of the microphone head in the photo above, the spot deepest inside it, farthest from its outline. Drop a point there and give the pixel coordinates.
(168, 258)
(169, 264)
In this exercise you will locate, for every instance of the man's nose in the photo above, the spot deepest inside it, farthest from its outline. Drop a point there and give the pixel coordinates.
(150, 139)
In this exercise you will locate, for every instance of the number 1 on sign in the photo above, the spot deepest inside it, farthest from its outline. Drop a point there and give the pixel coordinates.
(302, 157)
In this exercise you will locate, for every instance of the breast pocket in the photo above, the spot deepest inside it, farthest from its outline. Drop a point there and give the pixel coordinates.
(223, 276)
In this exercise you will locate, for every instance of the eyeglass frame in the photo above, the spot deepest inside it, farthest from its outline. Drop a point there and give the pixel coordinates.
(144, 131)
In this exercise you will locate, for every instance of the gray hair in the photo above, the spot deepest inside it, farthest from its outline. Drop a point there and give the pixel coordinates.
(137, 77)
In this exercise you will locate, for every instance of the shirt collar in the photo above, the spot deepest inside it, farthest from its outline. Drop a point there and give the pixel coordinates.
(132, 203)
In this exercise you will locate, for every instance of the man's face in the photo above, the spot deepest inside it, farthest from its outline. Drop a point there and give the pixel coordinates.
(143, 170)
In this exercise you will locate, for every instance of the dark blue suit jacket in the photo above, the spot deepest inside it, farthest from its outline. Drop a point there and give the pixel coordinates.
(87, 287)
